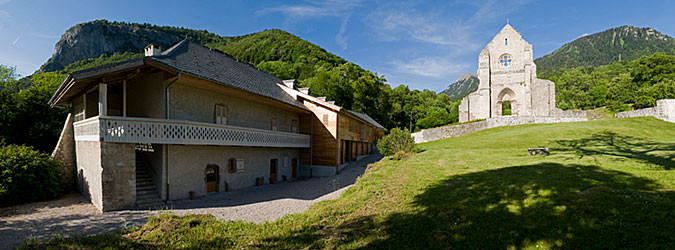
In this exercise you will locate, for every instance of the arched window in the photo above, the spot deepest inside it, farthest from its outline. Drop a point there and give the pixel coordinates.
(505, 60)
(506, 41)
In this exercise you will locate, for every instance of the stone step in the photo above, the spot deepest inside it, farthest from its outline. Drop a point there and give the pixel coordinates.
(146, 188)
(144, 183)
(143, 179)
(146, 191)
(145, 202)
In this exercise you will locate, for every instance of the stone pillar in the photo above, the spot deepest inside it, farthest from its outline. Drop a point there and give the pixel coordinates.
(118, 161)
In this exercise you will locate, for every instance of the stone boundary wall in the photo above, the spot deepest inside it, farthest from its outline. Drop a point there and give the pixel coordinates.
(664, 110)
(64, 152)
(439, 133)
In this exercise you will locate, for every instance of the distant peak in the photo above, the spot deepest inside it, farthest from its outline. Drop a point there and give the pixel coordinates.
(465, 76)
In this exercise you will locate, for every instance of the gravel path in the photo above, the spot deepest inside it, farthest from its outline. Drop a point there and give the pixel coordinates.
(74, 215)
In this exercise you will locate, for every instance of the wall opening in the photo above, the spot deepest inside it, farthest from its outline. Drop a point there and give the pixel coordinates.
(506, 108)
(273, 170)
(211, 178)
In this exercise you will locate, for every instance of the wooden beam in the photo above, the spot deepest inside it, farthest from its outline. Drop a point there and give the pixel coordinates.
(124, 98)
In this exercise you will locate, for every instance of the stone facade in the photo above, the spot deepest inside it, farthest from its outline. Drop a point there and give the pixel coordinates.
(664, 110)
(508, 76)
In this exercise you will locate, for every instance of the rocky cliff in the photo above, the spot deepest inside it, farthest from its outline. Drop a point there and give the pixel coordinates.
(92, 39)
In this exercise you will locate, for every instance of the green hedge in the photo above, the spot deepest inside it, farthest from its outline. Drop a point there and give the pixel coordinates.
(397, 140)
(27, 175)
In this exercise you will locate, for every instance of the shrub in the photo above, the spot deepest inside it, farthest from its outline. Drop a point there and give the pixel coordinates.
(27, 175)
(397, 140)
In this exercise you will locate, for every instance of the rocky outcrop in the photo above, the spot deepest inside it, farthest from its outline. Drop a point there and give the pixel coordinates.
(93, 39)
(465, 84)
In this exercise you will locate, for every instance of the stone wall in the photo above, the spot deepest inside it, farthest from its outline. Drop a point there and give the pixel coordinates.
(664, 110)
(439, 133)
(89, 171)
(187, 167)
(65, 153)
(118, 178)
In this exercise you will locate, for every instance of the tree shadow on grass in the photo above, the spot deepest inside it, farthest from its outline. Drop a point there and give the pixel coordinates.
(613, 144)
(548, 205)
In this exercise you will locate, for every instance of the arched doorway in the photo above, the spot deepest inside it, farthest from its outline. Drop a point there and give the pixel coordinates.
(505, 101)
(211, 178)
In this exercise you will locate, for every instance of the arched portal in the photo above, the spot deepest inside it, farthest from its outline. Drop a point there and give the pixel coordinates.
(505, 101)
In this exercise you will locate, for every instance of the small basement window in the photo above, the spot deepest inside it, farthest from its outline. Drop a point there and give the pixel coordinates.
(232, 165)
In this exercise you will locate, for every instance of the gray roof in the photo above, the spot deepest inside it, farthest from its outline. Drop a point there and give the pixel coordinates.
(194, 59)
(367, 118)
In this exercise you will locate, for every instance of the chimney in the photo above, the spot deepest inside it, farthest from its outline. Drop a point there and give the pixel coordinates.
(153, 49)
(304, 90)
(290, 83)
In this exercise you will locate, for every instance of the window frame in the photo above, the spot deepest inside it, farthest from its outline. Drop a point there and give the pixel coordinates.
(220, 111)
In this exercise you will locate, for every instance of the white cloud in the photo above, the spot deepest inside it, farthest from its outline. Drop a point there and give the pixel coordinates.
(437, 67)
(330, 8)
(341, 38)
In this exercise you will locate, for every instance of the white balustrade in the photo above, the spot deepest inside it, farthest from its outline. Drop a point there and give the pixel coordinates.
(145, 130)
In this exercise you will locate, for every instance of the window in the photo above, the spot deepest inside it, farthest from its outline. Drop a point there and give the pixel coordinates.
(274, 124)
(325, 119)
(220, 112)
(240, 165)
(232, 165)
(294, 126)
(506, 41)
(505, 60)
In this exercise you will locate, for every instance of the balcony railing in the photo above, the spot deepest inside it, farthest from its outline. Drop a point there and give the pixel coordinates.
(146, 130)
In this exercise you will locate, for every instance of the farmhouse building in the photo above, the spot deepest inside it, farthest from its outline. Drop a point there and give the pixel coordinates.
(189, 121)
(508, 82)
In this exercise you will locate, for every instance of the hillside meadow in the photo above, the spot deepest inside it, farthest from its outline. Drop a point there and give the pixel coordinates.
(606, 184)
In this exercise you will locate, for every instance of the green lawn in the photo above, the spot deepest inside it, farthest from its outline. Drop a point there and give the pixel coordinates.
(606, 184)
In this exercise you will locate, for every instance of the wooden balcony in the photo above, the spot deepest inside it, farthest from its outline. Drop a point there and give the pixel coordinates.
(159, 131)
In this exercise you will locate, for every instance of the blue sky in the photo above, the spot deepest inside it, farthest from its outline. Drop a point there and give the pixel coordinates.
(423, 44)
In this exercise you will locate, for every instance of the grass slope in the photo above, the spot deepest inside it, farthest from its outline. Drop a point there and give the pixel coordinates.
(606, 184)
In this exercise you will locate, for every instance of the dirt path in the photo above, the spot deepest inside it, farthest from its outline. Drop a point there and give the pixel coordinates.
(74, 215)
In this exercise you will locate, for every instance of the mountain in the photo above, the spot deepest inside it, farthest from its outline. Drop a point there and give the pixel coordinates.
(465, 84)
(625, 43)
(102, 38)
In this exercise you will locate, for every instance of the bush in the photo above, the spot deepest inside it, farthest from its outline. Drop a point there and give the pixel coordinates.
(27, 175)
(397, 140)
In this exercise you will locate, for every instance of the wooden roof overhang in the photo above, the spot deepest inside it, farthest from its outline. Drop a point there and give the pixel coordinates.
(78, 82)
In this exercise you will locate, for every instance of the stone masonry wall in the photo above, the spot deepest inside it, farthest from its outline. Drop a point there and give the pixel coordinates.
(118, 161)
(439, 133)
(65, 153)
(664, 110)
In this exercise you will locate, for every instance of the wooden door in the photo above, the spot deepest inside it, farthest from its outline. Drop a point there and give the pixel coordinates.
(211, 179)
(294, 167)
(273, 170)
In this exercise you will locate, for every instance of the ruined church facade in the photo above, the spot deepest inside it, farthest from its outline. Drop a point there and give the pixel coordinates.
(508, 82)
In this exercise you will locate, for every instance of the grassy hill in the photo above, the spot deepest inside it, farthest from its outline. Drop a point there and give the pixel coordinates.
(605, 47)
(606, 184)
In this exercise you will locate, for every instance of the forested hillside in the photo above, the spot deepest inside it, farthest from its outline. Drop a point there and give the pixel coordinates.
(619, 86)
(464, 85)
(602, 48)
